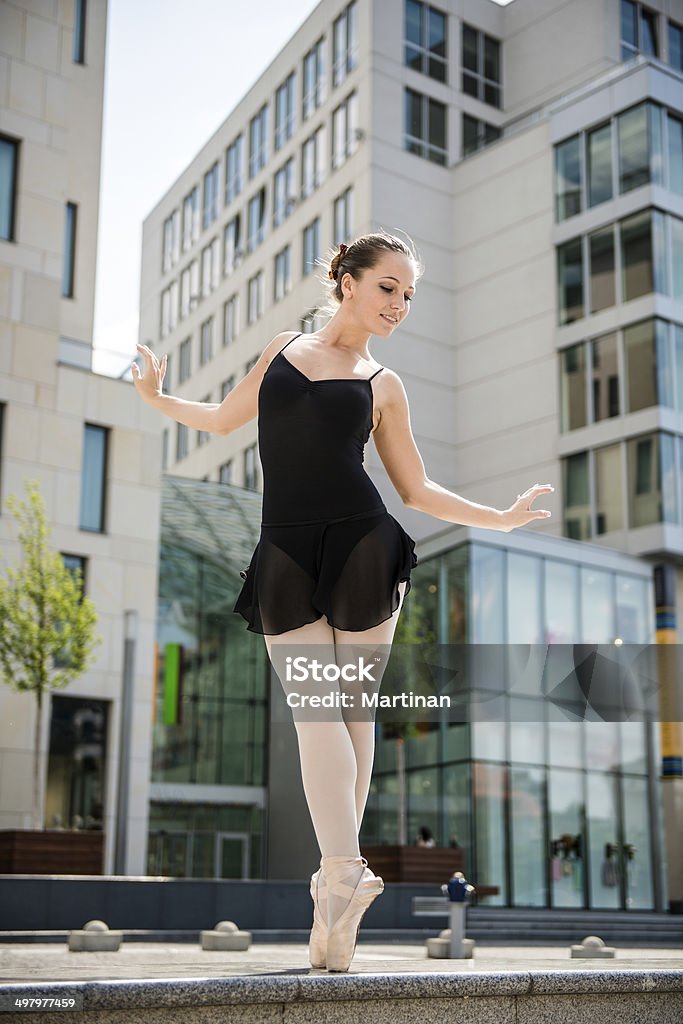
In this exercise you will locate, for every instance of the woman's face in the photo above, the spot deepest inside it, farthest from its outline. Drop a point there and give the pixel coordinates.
(381, 298)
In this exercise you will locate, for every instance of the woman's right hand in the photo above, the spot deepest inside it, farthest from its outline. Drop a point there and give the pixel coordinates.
(148, 384)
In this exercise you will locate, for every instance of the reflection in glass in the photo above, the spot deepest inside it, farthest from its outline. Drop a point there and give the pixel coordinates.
(570, 281)
(561, 602)
(601, 255)
(489, 785)
(457, 810)
(636, 848)
(487, 595)
(575, 487)
(599, 153)
(565, 789)
(636, 256)
(676, 258)
(675, 132)
(648, 366)
(573, 410)
(526, 731)
(651, 479)
(634, 156)
(457, 575)
(528, 841)
(564, 740)
(603, 840)
(523, 598)
(567, 179)
(634, 609)
(633, 747)
(597, 605)
(602, 745)
(605, 377)
(608, 489)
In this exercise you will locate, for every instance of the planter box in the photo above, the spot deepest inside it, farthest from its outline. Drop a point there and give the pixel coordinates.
(414, 863)
(50, 852)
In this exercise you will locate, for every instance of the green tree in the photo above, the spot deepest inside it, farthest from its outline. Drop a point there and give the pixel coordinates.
(46, 628)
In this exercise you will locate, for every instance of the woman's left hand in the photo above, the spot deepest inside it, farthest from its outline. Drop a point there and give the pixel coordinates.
(521, 513)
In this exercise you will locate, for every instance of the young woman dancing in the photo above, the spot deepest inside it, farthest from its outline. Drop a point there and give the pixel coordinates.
(332, 566)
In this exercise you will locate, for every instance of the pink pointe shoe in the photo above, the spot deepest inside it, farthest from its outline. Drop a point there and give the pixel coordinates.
(343, 935)
(317, 944)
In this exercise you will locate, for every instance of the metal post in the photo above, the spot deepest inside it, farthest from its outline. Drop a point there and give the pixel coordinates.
(126, 723)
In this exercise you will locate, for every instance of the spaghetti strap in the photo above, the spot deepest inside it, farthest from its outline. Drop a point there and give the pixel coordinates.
(376, 372)
(290, 341)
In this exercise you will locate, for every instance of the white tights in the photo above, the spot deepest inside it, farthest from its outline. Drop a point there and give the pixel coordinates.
(336, 753)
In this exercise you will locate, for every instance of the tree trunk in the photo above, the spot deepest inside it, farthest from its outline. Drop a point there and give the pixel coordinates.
(36, 762)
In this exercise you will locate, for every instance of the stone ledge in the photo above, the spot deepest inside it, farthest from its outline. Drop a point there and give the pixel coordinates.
(194, 993)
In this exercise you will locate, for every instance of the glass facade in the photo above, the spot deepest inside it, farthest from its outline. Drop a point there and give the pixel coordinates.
(211, 704)
(553, 813)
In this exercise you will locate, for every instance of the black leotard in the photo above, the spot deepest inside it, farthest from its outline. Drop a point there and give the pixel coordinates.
(328, 545)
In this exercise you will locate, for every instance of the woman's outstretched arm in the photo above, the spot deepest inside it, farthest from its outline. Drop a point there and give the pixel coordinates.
(237, 408)
(403, 462)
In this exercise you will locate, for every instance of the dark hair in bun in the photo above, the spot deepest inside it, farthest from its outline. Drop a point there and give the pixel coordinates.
(363, 254)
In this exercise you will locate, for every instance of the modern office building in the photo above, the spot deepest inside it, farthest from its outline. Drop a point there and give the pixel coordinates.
(85, 437)
(534, 152)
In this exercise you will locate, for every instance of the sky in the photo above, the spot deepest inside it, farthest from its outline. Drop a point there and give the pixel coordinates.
(174, 70)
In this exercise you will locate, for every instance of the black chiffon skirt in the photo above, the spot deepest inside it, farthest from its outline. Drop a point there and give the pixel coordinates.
(348, 569)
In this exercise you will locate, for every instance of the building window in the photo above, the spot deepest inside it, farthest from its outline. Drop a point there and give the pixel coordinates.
(210, 206)
(576, 497)
(345, 44)
(284, 193)
(9, 156)
(194, 284)
(78, 38)
(311, 248)
(345, 133)
(68, 268)
(258, 141)
(638, 30)
(651, 479)
(256, 224)
(166, 383)
(234, 164)
(171, 241)
(230, 319)
(165, 313)
(283, 273)
(76, 565)
(312, 321)
(164, 448)
(285, 111)
(481, 66)
(609, 504)
(225, 473)
(93, 477)
(342, 217)
(567, 178)
(210, 267)
(190, 219)
(184, 293)
(250, 468)
(204, 435)
(604, 378)
(232, 252)
(227, 386)
(675, 47)
(255, 297)
(602, 277)
(185, 360)
(206, 342)
(425, 40)
(313, 162)
(425, 127)
(314, 80)
(570, 281)
(182, 446)
(476, 134)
